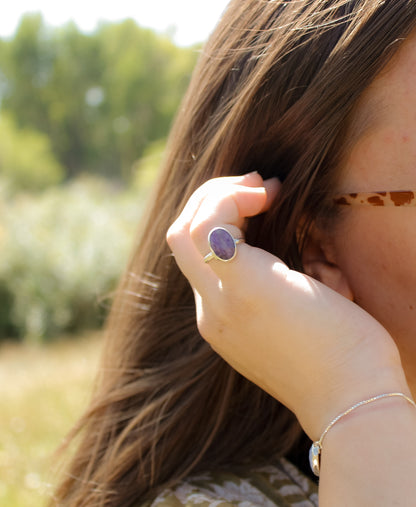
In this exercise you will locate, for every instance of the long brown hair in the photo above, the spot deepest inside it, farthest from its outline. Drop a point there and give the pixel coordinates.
(274, 91)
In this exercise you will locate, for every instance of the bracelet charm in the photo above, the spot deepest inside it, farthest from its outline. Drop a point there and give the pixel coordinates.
(314, 458)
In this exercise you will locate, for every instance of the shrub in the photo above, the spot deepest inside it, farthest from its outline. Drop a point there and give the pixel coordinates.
(62, 252)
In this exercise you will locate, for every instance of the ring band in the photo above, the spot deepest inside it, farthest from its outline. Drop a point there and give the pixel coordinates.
(222, 245)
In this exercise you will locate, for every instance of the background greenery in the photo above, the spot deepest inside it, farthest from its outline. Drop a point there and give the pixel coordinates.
(83, 123)
(100, 98)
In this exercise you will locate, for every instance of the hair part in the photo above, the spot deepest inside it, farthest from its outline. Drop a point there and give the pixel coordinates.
(274, 91)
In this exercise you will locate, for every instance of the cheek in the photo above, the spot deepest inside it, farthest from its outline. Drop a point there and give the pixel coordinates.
(377, 251)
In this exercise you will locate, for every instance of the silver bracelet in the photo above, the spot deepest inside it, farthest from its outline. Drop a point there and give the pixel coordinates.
(315, 451)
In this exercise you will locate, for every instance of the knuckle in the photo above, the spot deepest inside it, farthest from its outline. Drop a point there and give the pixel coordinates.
(170, 236)
(198, 231)
(174, 234)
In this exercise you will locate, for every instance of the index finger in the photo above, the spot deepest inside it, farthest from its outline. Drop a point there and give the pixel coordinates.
(211, 187)
(226, 208)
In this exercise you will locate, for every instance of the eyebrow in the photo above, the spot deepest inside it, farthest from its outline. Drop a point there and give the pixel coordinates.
(383, 198)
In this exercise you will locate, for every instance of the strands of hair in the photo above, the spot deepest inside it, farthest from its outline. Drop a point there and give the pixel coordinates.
(274, 91)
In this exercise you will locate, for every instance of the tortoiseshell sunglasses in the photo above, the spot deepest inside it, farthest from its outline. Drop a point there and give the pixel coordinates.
(393, 198)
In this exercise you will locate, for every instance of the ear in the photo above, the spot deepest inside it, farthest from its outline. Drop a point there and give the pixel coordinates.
(319, 261)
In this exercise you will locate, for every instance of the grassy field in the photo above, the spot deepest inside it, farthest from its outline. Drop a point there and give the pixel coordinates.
(43, 390)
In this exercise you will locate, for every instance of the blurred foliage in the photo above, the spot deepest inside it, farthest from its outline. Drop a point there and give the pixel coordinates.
(146, 168)
(73, 104)
(101, 98)
(26, 157)
(63, 251)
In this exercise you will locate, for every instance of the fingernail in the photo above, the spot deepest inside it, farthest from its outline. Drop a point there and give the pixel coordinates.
(273, 178)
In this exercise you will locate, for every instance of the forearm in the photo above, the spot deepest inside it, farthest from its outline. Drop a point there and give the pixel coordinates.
(369, 457)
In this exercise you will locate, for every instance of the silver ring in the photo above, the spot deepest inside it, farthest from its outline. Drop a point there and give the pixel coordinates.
(222, 245)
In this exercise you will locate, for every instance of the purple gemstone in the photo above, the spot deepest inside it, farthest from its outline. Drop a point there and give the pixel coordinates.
(222, 244)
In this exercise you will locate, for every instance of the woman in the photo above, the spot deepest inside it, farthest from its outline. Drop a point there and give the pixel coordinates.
(319, 94)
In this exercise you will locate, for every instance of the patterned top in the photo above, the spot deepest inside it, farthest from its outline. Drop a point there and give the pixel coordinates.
(281, 485)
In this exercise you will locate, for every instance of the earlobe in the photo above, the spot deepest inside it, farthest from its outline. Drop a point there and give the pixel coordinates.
(319, 262)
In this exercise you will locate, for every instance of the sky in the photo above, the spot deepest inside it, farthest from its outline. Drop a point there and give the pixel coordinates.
(193, 19)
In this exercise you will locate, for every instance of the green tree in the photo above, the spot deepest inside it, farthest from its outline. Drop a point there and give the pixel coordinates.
(77, 69)
(26, 157)
(101, 98)
(144, 79)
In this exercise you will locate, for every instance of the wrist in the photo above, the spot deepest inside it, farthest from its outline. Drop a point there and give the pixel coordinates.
(369, 457)
(348, 388)
(316, 449)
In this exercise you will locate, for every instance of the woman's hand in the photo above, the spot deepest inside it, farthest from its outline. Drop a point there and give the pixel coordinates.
(302, 342)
